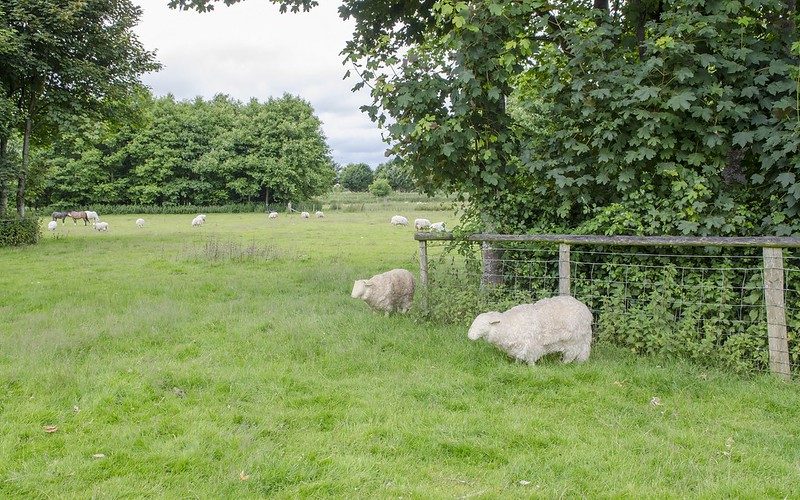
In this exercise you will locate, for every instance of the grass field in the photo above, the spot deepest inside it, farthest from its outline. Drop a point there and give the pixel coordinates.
(230, 361)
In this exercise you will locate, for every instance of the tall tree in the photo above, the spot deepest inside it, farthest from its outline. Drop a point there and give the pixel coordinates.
(65, 58)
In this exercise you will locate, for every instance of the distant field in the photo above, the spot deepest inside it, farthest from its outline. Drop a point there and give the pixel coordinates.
(230, 361)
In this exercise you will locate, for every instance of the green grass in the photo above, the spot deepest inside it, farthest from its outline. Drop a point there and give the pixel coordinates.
(185, 368)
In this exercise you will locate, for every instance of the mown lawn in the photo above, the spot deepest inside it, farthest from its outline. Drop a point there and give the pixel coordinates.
(207, 377)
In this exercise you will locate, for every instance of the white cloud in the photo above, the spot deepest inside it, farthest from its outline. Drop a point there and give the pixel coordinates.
(251, 50)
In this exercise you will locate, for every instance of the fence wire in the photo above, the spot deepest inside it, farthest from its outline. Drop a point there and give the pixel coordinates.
(709, 306)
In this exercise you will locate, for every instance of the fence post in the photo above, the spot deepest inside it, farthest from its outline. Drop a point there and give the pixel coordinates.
(423, 262)
(563, 269)
(776, 313)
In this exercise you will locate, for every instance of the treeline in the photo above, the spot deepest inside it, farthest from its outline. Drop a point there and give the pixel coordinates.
(204, 152)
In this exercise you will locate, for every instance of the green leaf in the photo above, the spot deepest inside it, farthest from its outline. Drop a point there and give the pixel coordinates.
(680, 101)
(743, 138)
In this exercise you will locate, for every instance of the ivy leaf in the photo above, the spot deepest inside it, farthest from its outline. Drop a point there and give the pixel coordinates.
(786, 179)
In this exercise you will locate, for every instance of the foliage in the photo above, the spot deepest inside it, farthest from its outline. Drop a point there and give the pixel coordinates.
(103, 209)
(200, 152)
(62, 59)
(380, 188)
(356, 177)
(398, 173)
(18, 231)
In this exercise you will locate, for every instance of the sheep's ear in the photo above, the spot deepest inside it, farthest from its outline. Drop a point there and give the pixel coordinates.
(494, 321)
(367, 283)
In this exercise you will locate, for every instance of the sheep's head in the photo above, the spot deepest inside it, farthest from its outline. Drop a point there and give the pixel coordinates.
(360, 289)
(483, 324)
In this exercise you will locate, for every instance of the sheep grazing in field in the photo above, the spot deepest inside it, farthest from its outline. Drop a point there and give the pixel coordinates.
(438, 227)
(392, 291)
(52, 225)
(100, 226)
(92, 216)
(304, 215)
(529, 331)
(399, 220)
(273, 215)
(139, 222)
(199, 220)
(319, 214)
(420, 224)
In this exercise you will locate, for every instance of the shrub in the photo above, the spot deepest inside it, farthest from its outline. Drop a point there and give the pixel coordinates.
(16, 232)
(380, 188)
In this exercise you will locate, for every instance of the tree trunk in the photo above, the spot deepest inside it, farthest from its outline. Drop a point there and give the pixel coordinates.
(3, 180)
(22, 175)
(266, 200)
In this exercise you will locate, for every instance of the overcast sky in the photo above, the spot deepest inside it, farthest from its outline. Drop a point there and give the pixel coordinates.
(251, 50)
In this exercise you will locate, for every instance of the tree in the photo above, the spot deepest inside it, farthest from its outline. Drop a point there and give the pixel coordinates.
(398, 173)
(380, 188)
(356, 177)
(65, 58)
(684, 105)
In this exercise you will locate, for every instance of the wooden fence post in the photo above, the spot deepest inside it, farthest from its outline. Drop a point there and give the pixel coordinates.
(423, 262)
(776, 313)
(563, 269)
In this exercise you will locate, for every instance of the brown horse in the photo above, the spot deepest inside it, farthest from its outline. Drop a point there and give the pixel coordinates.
(78, 215)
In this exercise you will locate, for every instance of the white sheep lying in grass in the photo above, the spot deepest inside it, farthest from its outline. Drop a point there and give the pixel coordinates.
(52, 225)
(199, 220)
(438, 227)
(319, 214)
(420, 224)
(529, 331)
(304, 215)
(139, 222)
(273, 215)
(392, 291)
(399, 220)
(100, 226)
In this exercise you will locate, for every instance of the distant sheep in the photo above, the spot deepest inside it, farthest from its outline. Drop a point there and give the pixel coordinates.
(139, 222)
(52, 225)
(92, 216)
(199, 220)
(529, 331)
(101, 226)
(392, 291)
(319, 214)
(304, 215)
(399, 220)
(438, 227)
(273, 215)
(420, 224)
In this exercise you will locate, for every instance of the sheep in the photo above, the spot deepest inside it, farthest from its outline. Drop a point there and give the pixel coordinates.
(304, 215)
(100, 226)
(52, 225)
(529, 331)
(139, 222)
(92, 216)
(319, 214)
(438, 227)
(399, 220)
(273, 215)
(392, 291)
(198, 221)
(420, 224)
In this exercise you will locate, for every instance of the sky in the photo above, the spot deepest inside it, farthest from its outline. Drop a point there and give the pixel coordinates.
(251, 50)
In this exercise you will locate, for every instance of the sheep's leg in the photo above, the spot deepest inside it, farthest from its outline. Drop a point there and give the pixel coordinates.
(583, 355)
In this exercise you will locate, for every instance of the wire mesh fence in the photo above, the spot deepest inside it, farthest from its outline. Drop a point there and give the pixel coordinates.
(707, 304)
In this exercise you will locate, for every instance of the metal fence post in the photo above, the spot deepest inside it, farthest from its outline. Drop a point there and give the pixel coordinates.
(776, 313)
(423, 262)
(563, 269)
